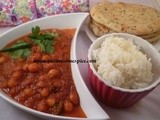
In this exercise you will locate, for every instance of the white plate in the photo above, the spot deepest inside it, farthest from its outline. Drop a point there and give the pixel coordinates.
(89, 32)
(87, 101)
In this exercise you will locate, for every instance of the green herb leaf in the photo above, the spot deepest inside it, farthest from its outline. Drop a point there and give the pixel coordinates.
(47, 36)
(26, 53)
(50, 36)
(33, 37)
(41, 45)
(19, 49)
(36, 30)
(16, 54)
(44, 40)
(23, 53)
(49, 46)
(16, 46)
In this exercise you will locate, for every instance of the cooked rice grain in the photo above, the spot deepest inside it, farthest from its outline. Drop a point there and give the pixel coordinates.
(120, 63)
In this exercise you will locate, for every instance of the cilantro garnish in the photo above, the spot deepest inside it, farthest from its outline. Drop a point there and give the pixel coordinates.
(44, 40)
(19, 49)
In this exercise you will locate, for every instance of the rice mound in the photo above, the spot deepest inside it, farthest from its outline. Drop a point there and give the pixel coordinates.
(120, 63)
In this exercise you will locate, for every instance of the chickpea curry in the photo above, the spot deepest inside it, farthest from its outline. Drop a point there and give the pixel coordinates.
(44, 86)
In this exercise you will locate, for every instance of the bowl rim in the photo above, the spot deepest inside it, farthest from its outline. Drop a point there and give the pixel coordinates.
(91, 66)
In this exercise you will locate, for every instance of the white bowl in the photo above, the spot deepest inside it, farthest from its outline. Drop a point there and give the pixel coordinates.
(73, 20)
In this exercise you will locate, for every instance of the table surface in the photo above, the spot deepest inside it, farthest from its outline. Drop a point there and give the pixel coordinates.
(147, 109)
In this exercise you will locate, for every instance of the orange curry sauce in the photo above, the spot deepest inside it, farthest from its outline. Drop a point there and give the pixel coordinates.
(43, 86)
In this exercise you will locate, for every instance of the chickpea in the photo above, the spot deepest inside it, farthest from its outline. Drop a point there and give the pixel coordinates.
(33, 67)
(12, 83)
(68, 106)
(44, 92)
(43, 78)
(36, 56)
(17, 75)
(51, 101)
(74, 98)
(3, 59)
(42, 106)
(53, 73)
(28, 92)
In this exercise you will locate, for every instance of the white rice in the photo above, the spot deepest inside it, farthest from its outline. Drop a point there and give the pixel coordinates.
(120, 63)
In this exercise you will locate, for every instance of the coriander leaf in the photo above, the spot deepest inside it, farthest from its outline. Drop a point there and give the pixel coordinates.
(24, 53)
(47, 36)
(16, 54)
(18, 49)
(42, 46)
(44, 40)
(36, 30)
(33, 37)
(49, 46)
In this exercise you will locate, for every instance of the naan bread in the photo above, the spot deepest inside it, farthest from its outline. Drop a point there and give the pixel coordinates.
(151, 35)
(99, 29)
(152, 39)
(123, 17)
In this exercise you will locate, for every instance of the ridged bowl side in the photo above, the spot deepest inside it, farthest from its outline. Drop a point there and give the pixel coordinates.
(113, 97)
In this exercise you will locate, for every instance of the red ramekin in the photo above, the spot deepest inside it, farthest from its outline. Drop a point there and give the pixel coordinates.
(117, 97)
